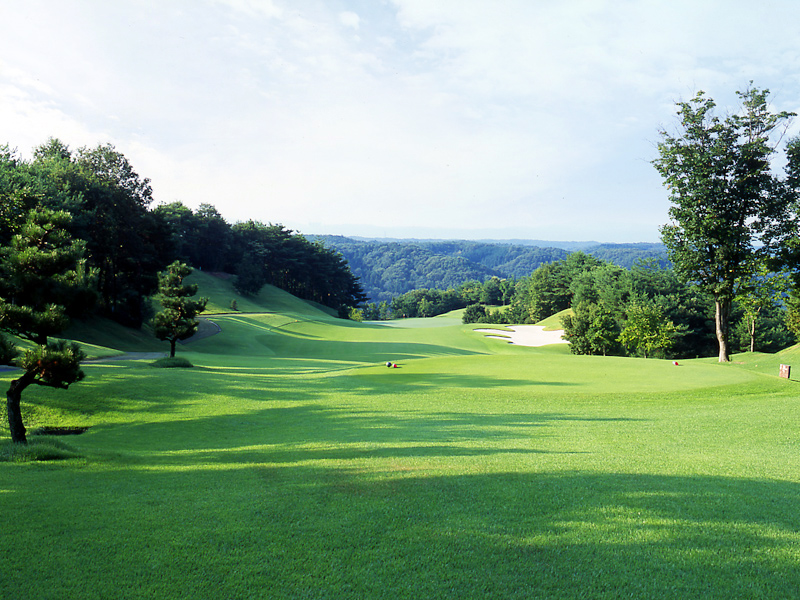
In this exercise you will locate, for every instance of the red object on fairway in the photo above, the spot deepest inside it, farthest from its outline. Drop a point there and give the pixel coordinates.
(396, 366)
(675, 363)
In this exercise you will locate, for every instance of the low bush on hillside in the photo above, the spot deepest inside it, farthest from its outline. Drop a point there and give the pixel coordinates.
(172, 363)
(36, 450)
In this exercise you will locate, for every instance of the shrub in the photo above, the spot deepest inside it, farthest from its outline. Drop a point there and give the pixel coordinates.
(8, 351)
(474, 313)
(176, 362)
(36, 450)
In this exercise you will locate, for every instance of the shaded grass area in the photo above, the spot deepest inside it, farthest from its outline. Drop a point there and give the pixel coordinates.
(37, 450)
(290, 462)
(219, 290)
(175, 362)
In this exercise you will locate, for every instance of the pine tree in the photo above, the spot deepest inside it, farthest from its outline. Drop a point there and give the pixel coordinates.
(38, 270)
(178, 319)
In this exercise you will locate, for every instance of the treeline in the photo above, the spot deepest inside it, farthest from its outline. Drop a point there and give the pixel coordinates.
(388, 269)
(433, 302)
(644, 310)
(127, 241)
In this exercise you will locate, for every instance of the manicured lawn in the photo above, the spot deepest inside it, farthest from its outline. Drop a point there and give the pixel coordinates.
(291, 463)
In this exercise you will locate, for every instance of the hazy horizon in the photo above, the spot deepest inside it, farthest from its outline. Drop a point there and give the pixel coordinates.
(521, 119)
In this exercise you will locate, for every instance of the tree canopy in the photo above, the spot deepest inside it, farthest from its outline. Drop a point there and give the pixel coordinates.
(38, 272)
(128, 241)
(730, 212)
(177, 320)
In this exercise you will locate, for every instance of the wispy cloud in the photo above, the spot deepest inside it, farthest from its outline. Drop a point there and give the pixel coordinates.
(536, 117)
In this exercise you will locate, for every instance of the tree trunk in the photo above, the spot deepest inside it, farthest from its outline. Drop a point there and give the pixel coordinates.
(722, 320)
(753, 330)
(13, 398)
(172, 347)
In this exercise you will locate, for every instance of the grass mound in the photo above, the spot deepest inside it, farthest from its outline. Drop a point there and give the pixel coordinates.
(172, 363)
(553, 322)
(219, 290)
(36, 450)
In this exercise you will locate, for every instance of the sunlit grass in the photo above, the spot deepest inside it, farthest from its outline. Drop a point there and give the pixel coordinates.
(291, 462)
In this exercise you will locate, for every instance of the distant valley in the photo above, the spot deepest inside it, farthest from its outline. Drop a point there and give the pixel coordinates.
(388, 267)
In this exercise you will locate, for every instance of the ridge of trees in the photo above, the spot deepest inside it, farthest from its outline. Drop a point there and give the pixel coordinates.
(388, 269)
(642, 311)
(128, 241)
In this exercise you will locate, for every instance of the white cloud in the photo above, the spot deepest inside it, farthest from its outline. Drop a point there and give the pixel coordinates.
(454, 114)
(349, 19)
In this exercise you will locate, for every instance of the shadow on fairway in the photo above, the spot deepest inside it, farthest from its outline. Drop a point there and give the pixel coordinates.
(573, 535)
(332, 532)
(312, 432)
(367, 352)
(401, 382)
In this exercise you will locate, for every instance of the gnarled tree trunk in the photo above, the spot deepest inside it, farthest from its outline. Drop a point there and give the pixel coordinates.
(13, 398)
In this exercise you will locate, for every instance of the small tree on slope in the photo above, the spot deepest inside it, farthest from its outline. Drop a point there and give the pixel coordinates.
(178, 320)
(38, 269)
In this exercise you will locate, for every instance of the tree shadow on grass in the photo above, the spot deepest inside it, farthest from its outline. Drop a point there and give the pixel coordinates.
(370, 352)
(573, 535)
(311, 431)
(307, 531)
(136, 388)
(445, 381)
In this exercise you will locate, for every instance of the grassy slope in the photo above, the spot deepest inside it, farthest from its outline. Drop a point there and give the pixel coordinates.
(553, 322)
(103, 337)
(291, 462)
(219, 291)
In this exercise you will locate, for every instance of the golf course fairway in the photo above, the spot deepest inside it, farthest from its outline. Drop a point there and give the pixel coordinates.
(290, 462)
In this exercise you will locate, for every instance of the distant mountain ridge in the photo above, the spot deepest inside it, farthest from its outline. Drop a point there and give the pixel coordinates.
(570, 246)
(388, 267)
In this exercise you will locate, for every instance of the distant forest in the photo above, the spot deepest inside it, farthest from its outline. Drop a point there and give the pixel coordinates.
(389, 268)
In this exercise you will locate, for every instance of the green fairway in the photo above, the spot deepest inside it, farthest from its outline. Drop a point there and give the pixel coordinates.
(290, 462)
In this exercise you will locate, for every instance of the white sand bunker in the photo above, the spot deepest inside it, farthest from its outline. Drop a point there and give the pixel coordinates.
(526, 335)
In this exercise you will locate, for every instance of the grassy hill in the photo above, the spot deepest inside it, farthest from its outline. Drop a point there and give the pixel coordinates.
(103, 337)
(218, 288)
(291, 462)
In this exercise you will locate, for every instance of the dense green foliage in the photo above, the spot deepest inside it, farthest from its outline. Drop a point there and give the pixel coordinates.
(39, 277)
(730, 214)
(627, 255)
(271, 254)
(592, 329)
(647, 330)
(178, 318)
(38, 273)
(388, 269)
(605, 300)
(128, 242)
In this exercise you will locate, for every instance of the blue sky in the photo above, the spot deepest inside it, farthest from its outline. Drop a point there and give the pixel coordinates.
(424, 118)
